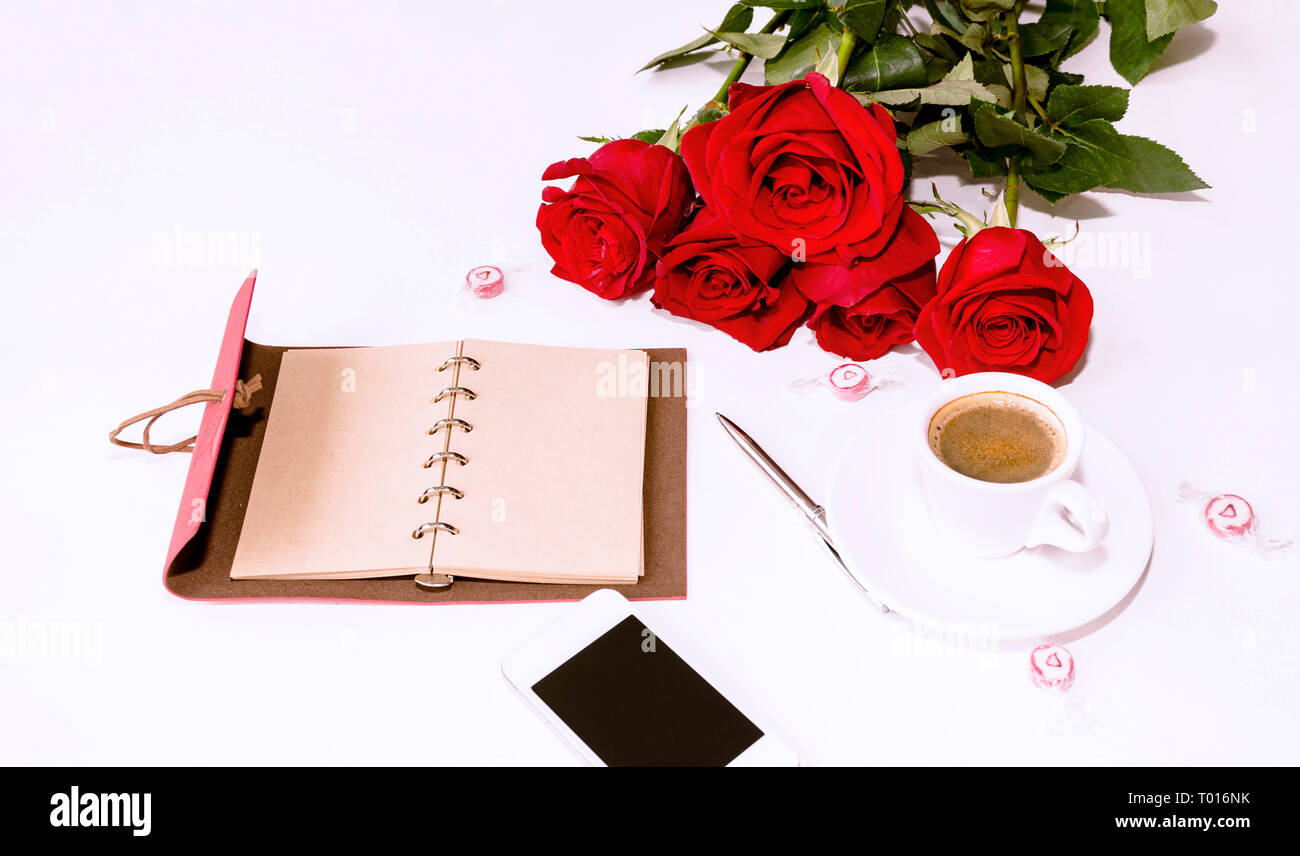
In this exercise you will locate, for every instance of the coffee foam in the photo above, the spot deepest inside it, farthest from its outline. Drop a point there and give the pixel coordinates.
(1041, 413)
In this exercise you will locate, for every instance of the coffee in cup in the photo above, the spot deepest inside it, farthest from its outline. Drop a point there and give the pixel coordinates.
(998, 436)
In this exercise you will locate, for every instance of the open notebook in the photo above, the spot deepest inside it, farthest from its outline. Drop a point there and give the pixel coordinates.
(477, 459)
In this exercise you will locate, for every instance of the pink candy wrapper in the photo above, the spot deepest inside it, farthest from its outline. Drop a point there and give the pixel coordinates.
(485, 281)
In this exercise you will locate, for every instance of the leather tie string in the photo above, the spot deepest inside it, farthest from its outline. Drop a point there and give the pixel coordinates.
(243, 392)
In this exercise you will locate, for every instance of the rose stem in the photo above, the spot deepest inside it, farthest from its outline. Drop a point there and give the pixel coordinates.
(1020, 89)
(848, 42)
(742, 62)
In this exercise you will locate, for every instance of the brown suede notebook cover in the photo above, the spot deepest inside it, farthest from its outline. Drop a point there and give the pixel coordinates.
(200, 568)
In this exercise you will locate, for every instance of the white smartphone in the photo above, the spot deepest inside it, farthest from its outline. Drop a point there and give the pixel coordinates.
(621, 695)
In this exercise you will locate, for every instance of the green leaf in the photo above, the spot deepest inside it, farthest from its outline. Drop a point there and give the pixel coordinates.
(1038, 81)
(651, 136)
(985, 10)
(1145, 166)
(1085, 165)
(937, 46)
(1038, 38)
(964, 70)
(1073, 105)
(738, 19)
(1035, 78)
(984, 164)
(893, 62)
(935, 135)
(936, 68)
(1055, 77)
(801, 23)
(1131, 52)
(1079, 15)
(764, 45)
(802, 56)
(864, 18)
(598, 139)
(785, 4)
(690, 47)
(1001, 93)
(956, 89)
(975, 37)
(1166, 16)
(997, 130)
(946, 93)
(944, 13)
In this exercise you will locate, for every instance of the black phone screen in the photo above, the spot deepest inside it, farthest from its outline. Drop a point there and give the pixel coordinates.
(634, 702)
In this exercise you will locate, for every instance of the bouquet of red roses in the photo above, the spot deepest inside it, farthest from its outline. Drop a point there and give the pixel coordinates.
(787, 203)
(800, 218)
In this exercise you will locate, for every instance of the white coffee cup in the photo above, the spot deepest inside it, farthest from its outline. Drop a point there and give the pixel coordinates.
(992, 519)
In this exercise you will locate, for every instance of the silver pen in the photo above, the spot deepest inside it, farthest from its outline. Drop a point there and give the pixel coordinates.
(815, 514)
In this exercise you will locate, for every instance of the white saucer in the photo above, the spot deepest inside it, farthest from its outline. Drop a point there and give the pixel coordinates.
(880, 523)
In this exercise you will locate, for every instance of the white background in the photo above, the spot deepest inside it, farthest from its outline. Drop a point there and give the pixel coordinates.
(367, 159)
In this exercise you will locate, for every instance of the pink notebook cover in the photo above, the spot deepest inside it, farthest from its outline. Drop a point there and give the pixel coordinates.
(207, 448)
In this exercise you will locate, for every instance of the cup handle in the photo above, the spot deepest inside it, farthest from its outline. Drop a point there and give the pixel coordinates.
(1085, 527)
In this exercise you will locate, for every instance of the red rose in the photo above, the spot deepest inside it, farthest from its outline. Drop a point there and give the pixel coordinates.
(607, 230)
(884, 318)
(707, 275)
(866, 307)
(802, 167)
(1006, 304)
(912, 246)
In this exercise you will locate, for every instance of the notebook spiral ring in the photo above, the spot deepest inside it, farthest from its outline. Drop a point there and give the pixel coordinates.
(455, 390)
(449, 423)
(446, 456)
(472, 363)
(434, 526)
(440, 490)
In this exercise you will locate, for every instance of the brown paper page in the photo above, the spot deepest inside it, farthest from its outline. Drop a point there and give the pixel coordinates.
(553, 487)
(341, 466)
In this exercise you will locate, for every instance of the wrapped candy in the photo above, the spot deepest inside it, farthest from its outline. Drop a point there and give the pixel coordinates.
(485, 281)
(847, 382)
(1230, 517)
(1051, 667)
(850, 382)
